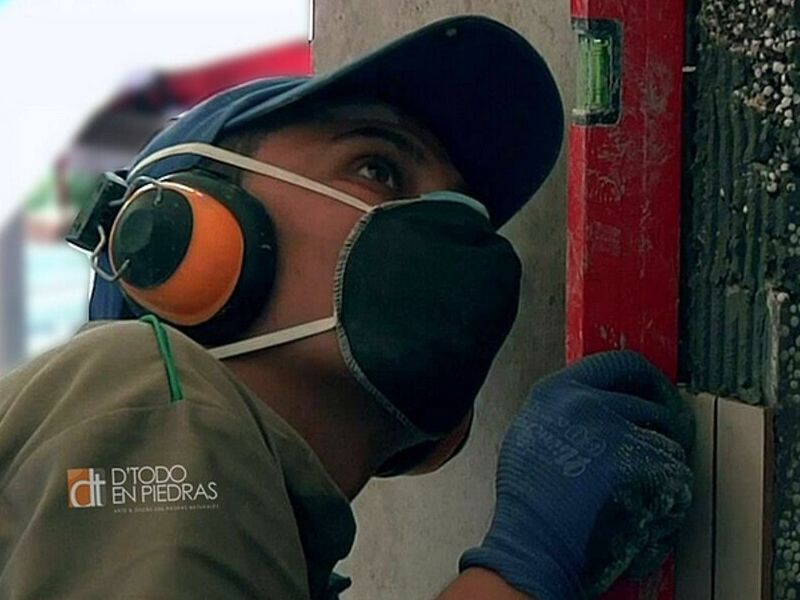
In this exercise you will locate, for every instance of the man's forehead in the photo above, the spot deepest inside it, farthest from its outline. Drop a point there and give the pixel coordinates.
(342, 119)
(355, 110)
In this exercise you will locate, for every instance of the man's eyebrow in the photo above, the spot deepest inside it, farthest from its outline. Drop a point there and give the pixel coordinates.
(401, 141)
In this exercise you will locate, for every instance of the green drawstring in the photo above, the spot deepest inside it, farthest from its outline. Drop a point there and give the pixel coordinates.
(175, 388)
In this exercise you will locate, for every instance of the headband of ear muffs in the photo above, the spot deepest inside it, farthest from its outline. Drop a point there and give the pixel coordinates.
(197, 251)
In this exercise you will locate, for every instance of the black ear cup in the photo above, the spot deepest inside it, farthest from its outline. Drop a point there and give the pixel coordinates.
(153, 235)
(197, 251)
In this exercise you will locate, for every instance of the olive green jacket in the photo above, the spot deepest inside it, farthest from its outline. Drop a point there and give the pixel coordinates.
(125, 475)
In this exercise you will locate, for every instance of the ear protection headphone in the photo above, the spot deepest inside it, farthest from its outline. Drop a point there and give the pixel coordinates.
(192, 248)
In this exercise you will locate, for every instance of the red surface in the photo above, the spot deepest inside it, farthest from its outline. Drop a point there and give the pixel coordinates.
(660, 586)
(187, 87)
(192, 85)
(624, 211)
(624, 195)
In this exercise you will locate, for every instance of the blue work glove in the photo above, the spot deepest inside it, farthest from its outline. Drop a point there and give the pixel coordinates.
(591, 481)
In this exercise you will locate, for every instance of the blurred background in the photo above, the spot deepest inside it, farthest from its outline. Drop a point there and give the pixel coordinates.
(84, 103)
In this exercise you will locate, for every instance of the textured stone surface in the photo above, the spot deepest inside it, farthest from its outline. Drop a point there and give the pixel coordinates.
(412, 530)
(742, 256)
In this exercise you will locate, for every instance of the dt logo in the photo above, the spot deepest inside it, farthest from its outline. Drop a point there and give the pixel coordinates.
(86, 488)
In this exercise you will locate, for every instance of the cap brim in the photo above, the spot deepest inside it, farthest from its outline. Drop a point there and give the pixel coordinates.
(479, 86)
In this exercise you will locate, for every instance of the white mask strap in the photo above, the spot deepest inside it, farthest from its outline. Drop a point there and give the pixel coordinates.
(276, 338)
(254, 166)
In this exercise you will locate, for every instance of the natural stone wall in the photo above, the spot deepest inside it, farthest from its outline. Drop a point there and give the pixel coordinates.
(741, 311)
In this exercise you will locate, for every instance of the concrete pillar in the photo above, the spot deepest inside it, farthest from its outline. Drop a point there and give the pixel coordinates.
(12, 294)
(411, 531)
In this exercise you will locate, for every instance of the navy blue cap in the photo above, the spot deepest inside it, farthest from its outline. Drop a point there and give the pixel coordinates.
(479, 86)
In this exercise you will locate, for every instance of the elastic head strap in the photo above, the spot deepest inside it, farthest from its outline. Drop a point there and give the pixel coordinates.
(254, 166)
(275, 338)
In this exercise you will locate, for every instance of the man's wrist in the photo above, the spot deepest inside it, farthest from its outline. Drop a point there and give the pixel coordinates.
(477, 583)
(536, 574)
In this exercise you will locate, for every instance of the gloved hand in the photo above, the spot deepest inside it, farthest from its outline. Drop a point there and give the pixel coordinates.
(591, 479)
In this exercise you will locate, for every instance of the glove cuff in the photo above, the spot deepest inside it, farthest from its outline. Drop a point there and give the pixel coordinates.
(537, 575)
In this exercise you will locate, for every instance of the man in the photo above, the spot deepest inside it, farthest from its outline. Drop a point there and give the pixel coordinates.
(331, 244)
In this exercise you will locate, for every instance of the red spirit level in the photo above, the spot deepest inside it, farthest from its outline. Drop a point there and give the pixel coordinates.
(624, 194)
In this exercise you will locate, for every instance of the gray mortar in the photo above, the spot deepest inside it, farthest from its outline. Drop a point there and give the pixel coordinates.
(742, 235)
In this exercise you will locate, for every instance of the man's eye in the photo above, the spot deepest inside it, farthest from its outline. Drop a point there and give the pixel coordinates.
(382, 172)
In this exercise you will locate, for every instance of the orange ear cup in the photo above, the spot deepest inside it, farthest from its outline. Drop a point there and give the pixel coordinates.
(207, 276)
